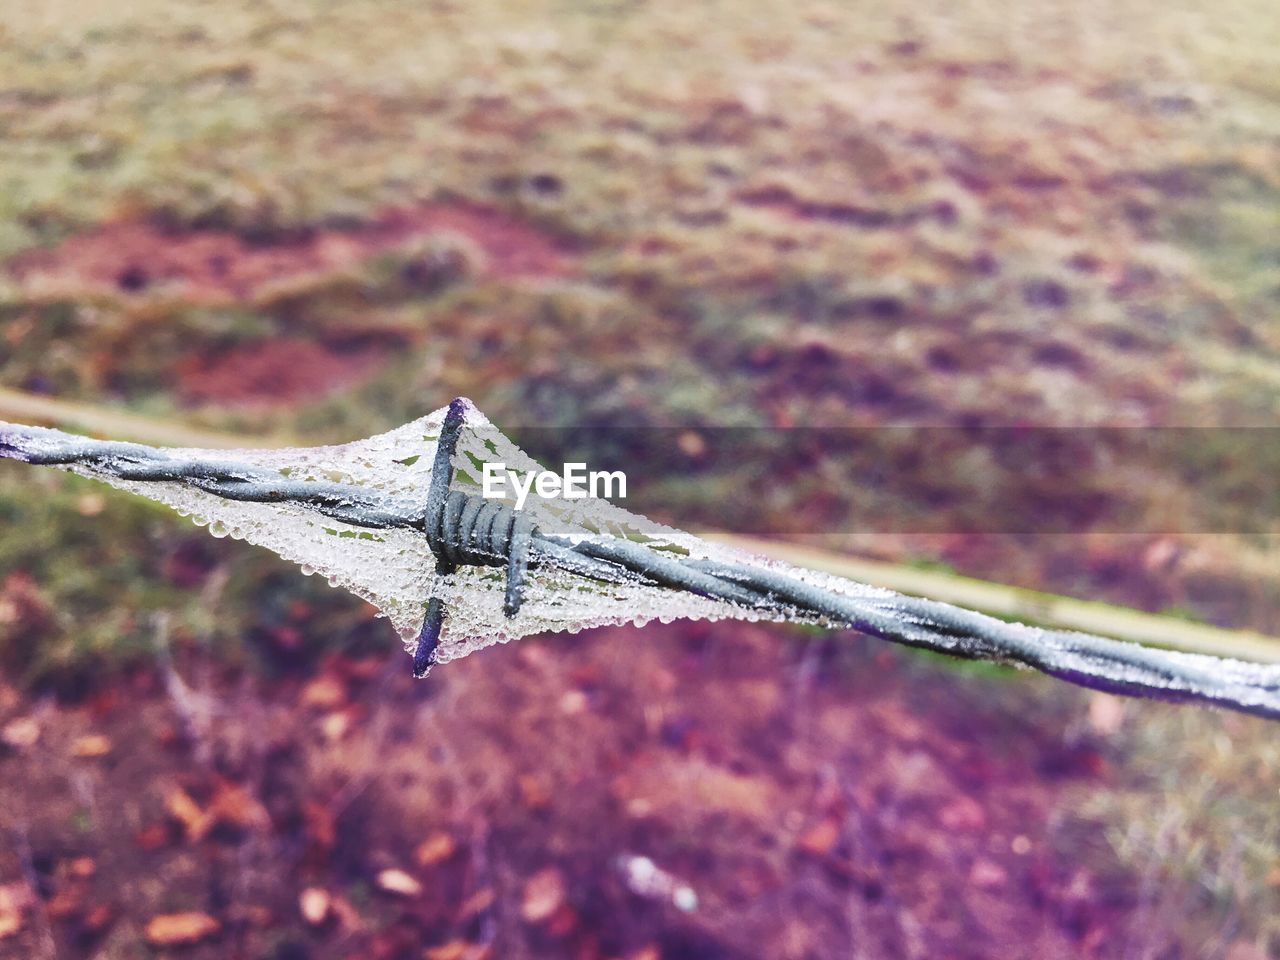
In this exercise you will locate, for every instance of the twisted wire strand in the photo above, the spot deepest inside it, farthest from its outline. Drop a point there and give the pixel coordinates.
(463, 528)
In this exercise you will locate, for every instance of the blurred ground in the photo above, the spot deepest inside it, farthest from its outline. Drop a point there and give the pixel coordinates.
(820, 800)
(330, 220)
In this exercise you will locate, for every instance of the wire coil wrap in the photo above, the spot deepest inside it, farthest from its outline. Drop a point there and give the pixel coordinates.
(473, 530)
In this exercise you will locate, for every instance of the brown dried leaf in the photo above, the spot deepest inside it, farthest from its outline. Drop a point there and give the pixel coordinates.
(453, 950)
(98, 918)
(325, 692)
(314, 904)
(14, 899)
(321, 828)
(152, 837)
(177, 929)
(534, 791)
(335, 725)
(821, 838)
(398, 882)
(15, 896)
(233, 804)
(674, 783)
(195, 822)
(348, 916)
(544, 892)
(21, 732)
(65, 903)
(82, 867)
(91, 504)
(90, 746)
(477, 903)
(437, 848)
(1106, 714)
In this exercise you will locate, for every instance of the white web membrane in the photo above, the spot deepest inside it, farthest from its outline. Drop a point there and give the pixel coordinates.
(394, 569)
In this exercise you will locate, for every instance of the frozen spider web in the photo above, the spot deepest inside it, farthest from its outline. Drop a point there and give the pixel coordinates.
(395, 568)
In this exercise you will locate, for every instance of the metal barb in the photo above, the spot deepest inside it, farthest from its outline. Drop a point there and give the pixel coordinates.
(463, 528)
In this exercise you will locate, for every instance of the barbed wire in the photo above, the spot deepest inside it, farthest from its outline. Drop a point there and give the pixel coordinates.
(462, 528)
